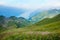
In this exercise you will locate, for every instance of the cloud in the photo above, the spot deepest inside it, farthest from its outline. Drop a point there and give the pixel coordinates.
(2, 3)
(41, 5)
(52, 4)
(26, 14)
(31, 4)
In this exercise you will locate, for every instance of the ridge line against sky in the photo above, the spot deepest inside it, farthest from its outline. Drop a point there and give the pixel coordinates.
(31, 4)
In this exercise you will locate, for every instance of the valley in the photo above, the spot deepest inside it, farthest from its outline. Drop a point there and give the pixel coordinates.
(46, 29)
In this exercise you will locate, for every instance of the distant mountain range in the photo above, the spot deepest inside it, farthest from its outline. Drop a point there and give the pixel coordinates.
(39, 15)
(35, 16)
(13, 22)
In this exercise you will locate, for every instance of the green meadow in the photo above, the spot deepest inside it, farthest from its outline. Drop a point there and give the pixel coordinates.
(47, 29)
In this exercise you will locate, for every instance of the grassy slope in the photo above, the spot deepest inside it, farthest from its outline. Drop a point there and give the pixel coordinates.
(48, 20)
(49, 27)
(49, 31)
(48, 24)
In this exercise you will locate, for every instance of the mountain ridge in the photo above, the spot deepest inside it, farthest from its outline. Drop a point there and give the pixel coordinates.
(40, 15)
(49, 20)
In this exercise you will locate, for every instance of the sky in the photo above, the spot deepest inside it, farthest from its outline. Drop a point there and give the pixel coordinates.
(31, 4)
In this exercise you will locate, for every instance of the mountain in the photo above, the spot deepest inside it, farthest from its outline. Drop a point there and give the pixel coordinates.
(39, 15)
(46, 21)
(10, 11)
(49, 31)
(23, 22)
(36, 16)
(53, 12)
(18, 22)
(13, 22)
(47, 24)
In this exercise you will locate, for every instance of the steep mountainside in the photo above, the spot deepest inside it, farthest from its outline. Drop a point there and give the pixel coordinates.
(49, 20)
(39, 15)
(13, 22)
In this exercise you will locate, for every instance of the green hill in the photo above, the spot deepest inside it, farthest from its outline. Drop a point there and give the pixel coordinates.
(47, 29)
(12, 22)
(49, 20)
